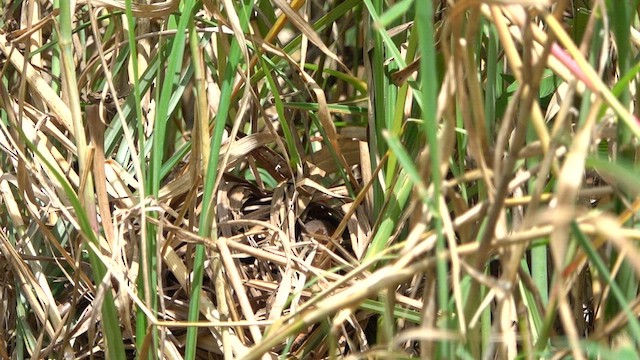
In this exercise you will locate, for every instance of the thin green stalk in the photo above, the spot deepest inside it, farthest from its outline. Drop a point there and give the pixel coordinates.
(493, 79)
(85, 206)
(70, 85)
(622, 12)
(174, 66)
(617, 292)
(55, 58)
(429, 99)
(144, 283)
(110, 320)
(287, 130)
(163, 113)
(389, 214)
(207, 218)
(539, 254)
(377, 94)
(398, 115)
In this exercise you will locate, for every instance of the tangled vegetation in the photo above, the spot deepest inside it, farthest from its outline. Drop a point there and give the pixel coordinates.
(319, 179)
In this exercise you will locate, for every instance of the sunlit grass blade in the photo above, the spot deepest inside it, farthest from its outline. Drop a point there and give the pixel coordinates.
(207, 222)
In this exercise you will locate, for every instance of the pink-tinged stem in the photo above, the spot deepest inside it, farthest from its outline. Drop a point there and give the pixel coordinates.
(571, 64)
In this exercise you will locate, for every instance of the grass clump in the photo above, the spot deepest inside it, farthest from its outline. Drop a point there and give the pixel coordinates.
(361, 179)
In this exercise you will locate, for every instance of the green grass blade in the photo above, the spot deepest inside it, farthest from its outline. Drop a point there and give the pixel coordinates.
(207, 216)
(618, 294)
(83, 204)
(429, 105)
(287, 129)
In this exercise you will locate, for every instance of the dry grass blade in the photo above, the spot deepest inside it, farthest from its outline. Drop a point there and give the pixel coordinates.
(479, 202)
(306, 29)
(38, 83)
(156, 9)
